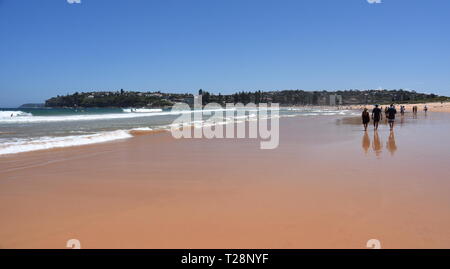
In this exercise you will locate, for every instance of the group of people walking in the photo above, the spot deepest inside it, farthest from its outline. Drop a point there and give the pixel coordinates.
(414, 109)
(377, 116)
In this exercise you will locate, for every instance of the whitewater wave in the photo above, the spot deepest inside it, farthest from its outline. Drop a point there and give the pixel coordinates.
(141, 110)
(41, 143)
(80, 137)
(12, 114)
(29, 118)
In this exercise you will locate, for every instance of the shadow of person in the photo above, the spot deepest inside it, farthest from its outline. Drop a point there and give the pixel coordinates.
(390, 145)
(376, 145)
(366, 142)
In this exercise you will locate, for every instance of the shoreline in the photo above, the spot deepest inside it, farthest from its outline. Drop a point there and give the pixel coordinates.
(123, 134)
(323, 187)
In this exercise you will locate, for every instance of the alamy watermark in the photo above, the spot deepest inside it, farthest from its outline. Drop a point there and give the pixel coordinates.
(76, 244)
(234, 121)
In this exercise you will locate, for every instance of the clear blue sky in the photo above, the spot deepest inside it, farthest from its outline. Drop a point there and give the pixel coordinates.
(50, 47)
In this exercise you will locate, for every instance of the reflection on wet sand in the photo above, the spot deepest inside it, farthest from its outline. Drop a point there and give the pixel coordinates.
(366, 142)
(390, 145)
(402, 120)
(376, 146)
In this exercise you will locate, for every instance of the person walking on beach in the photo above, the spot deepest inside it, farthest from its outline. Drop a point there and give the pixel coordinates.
(376, 116)
(386, 113)
(425, 108)
(365, 118)
(402, 110)
(390, 115)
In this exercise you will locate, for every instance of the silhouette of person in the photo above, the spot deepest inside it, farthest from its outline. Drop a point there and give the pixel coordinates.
(376, 145)
(365, 118)
(390, 145)
(402, 110)
(376, 116)
(366, 142)
(390, 115)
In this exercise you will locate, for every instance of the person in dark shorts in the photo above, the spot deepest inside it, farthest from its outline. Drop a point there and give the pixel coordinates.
(365, 118)
(390, 114)
(376, 116)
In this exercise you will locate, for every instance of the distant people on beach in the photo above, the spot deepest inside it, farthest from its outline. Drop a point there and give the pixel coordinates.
(365, 118)
(390, 115)
(402, 110)
(376, 116)
(425, 108)
(414, 109)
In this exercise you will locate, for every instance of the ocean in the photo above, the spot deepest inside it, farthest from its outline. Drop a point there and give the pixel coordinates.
(23, 130)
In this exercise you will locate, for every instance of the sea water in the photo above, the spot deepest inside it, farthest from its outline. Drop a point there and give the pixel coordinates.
(23, 130)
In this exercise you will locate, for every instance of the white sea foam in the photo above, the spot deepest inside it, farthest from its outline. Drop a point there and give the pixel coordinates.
(141, 110)
(142, 129)
(41, 143)
(11, 145)
(28, 118)
(13, 114)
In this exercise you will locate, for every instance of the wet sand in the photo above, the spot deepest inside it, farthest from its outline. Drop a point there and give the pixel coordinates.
(328, 185)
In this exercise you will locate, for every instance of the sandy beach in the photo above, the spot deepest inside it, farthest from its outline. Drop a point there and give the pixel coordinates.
(435, 107)
(327, 185)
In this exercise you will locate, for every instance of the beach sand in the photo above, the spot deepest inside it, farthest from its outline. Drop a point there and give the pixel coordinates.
(327, 185)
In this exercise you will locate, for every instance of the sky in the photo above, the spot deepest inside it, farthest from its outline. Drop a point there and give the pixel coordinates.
(52, 47)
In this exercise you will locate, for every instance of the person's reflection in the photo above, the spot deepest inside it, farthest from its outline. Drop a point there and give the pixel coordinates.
(376, 145)
(390, 145)
(366, 142)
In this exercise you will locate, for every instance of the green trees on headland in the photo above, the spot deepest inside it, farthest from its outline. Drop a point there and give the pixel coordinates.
(110, 99)
(287, 97)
